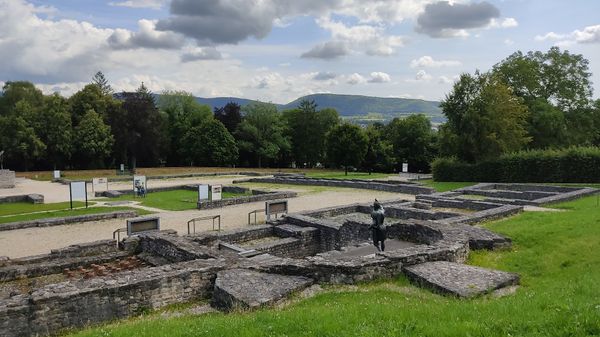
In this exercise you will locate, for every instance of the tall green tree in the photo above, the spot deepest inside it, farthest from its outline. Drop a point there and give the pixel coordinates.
(18, 139)
(230, 115)
(307, 128)
(102, 83)
(139, 129)
(209, 144)
(346, 146)
(93, 141)
(91, 97)
(182, 113)
(53, 126)
(413, 142)
(552, 84)
(14, 92)
(380, 152)
(260, 135)
(485, 119)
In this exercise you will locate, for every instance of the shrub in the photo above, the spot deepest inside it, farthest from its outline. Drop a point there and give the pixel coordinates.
(571, 165)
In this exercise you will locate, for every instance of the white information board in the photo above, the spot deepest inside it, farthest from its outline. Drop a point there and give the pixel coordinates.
(56, 174)
(405, 167)
(202, 192)
(78, 191)
(99, 184)
(139, 181)
(215, 192)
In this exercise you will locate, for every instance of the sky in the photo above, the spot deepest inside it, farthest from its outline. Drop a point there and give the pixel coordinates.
(279, 50)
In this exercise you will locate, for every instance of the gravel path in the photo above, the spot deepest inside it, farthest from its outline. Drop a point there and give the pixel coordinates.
(33, 241)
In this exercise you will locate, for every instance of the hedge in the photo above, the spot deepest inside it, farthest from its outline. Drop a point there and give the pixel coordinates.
(571, 165)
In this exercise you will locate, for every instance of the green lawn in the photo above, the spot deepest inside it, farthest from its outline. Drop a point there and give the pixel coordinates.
(64, 213)
(442, 186)
(26, 207)
(556, 254)
(351, 175)
(176, 200)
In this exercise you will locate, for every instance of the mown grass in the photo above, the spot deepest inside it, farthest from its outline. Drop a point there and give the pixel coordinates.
(342, 175)
(65, 213)
(442, 186)
(14, 208)
(175, 200)
(556, 254)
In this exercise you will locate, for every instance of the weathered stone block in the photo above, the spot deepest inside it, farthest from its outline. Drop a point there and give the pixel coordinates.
(7, 179)
(246, 289)
(459, 279)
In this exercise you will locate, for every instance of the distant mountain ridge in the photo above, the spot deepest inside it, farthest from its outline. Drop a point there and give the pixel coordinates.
(349, 105)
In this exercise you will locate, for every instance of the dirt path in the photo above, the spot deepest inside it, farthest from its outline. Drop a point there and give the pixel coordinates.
(33, 241)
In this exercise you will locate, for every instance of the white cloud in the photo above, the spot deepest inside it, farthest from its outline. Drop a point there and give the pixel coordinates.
(379, 77)
(422, 75)
(154, 4)
(146, 37)
(509, 42)
(429, 62)
(589, 34)
(504, 23)
(362, 38)
(355, 78)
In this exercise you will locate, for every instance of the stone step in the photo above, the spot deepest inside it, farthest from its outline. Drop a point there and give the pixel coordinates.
(246, 289)
(459, 279)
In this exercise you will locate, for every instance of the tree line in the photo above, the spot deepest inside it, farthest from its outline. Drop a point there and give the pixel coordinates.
(97, 128)
(538, 100)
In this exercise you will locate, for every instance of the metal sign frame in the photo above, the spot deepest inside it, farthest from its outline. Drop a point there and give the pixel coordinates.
(151, 220)
(275, 207)
(77, 184)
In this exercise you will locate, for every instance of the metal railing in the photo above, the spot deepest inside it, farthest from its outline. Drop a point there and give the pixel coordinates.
(211, 217)
(256, 211)
(117, 234)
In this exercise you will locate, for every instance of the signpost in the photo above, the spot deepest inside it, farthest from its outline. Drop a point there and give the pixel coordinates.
(404, 167)
(56, 174)
(215, 192)
(275, 207)
(78, 191)
(139, 185)
(142, 225)
(202, 192)
(98, 184)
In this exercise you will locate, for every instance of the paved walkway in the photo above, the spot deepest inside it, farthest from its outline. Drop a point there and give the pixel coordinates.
(33, 241)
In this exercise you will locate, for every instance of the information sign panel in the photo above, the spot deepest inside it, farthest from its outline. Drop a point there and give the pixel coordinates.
(141, 225)
(215, 192)
(202, 192)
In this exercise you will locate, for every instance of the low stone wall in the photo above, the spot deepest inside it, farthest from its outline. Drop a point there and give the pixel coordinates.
(78, 303)
(245, 199)
(31, 198)
(526, 194)
(173, 248)
(234, 235)
(360, 184)
(7, 179)
(78, 250)
(67, 220)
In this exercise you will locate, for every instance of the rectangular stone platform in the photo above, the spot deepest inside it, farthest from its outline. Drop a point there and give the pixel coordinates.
(459, 279)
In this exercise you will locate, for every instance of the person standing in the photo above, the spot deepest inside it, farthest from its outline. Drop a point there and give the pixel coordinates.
(377, 227)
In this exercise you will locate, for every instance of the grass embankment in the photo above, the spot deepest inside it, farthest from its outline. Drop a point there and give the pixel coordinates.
(175, 200)
(157, 171)
(21, 211)
(441, 186)
(556, 254)
(342, 175)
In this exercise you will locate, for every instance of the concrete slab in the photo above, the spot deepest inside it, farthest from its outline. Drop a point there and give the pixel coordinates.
(459, 279)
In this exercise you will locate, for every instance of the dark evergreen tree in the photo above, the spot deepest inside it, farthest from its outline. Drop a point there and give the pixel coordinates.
(230, 115)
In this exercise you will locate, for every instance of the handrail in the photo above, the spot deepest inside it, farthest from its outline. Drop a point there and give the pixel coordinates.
(117, 233)
(211, 217)
(254, 212)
